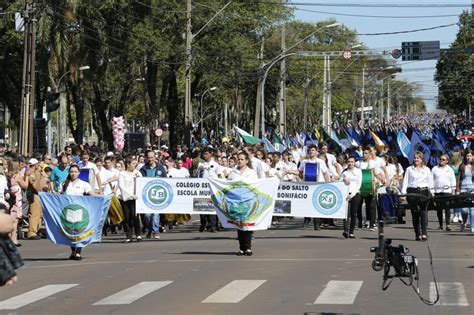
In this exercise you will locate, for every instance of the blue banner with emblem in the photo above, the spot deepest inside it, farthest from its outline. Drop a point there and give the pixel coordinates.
(74, 220)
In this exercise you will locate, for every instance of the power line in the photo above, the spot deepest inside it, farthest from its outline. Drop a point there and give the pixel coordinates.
(380, 16)
(410, 31)
(372, 5)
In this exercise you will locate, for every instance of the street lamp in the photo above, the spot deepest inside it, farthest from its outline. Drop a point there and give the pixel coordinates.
(202, 97)
(278, 58)
(62, 103)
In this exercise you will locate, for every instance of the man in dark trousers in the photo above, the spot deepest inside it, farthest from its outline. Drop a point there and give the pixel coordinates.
(152, 169)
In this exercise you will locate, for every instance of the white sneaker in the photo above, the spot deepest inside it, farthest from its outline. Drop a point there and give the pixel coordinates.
(455, 219)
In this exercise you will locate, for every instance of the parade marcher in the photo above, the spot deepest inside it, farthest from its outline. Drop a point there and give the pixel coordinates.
(244, 171)
(418, 183)
(444, 182)
(73, 186)
(456, 162)
(126, 183)
(35, 185)
(371, 175)
(152, 169)
(322, 175)
(288, 170)
(209, 168)
(84, 163)
(334, 168)
(465, 184)
(352, 176)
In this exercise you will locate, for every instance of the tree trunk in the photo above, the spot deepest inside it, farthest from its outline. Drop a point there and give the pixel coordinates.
(100, 109)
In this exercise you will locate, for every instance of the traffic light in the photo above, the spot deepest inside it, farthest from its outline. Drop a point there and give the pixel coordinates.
(52, 103)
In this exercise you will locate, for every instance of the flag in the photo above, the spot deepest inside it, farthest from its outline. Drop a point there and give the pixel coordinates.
(278, 143)
(74, 220)
(317, 135)
(418, 145)
(268, 145)
(378, 143)
(404, 144)
(247, 137)
(300, 138)
(335, 138)
(245, 204)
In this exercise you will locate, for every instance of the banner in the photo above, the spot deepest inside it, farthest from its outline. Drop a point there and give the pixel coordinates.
(193, 196)
(314, 200)
(244, 204)
(74, 220)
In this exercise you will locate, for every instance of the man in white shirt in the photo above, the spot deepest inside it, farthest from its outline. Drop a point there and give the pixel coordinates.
(85, 164)
(209, 168)
(334, 167)
(256, 163)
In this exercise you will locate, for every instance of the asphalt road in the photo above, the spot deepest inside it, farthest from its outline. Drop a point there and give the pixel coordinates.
(294, 270)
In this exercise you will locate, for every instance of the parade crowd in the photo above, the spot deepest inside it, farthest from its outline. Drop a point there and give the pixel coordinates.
(369, 171)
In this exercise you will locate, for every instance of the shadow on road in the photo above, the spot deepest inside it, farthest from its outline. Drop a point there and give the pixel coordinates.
(46, 259)
(207, 253)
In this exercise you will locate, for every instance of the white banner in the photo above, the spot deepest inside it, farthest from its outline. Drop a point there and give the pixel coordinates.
(193, 196)
(244, 204)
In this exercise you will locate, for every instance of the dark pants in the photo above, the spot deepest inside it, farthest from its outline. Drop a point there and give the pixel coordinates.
(418, 209)
(208, 221)
(439, 210)
(352, 210)
(370, 206)
(131, 221)
(245, 239)
(76, 250)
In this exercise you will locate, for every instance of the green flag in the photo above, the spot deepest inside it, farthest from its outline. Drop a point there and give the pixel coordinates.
(247, 137)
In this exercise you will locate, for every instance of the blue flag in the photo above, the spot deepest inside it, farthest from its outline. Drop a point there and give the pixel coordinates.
(404, 144)
(74, 220)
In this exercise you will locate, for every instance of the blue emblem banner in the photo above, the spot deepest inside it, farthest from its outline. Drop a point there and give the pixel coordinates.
(74, 220)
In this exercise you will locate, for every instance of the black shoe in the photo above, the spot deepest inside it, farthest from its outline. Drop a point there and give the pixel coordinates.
(17, 244)
(78, 257)
(345, 234)
(36, 237)
(202, 228)
(248, 252)
(128, 240)
(418, 238)
(72, 257)
(240, 253)
(352, 236)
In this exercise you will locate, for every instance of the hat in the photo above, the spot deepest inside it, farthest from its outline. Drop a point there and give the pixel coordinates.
(33, 161)
(110, 153)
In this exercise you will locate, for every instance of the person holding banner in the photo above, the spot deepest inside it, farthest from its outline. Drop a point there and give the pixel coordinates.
(244, 171)
(126, 184)
(152, 169)
(352, 176)
(209, 168)
(73, 186)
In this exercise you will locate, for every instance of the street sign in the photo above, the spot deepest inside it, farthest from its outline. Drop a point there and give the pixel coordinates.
(347, 55)
(427, 50)
(396, 53)
(159, 132)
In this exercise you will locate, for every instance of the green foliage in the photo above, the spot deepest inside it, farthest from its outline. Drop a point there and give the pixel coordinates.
(455, 69)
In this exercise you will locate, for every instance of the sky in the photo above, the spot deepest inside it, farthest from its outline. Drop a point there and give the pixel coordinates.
(421, 72)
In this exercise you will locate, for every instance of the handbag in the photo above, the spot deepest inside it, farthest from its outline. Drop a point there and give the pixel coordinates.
(10, 259)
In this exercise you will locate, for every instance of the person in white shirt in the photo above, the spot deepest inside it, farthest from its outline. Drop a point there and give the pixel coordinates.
(352, 176)
(288, 169)
(75, 187)
(322, 176)
(370, 200)
(244, 171)
(126, 183)
(444, 182)
(418, 182)
(335, 168)
(84, 163)
(209, 168)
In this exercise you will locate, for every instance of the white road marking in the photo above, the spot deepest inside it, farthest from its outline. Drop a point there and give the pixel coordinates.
(234, 292)
(133, 293)
(339, 292)
(34, 295)
(450, 294)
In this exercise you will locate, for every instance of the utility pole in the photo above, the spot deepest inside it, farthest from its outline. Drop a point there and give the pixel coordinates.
(363, 93)
(188, 109)
(329, 94)
(258, 104)
(283, 82)
(388, 101)
(325, 79)
(28, 81)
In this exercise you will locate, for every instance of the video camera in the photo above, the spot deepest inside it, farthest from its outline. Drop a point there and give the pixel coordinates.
(398, 258)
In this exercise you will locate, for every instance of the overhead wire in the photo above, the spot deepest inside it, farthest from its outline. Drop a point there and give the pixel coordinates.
(380, 16)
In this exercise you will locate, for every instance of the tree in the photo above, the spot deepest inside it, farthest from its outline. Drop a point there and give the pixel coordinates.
(455, 69)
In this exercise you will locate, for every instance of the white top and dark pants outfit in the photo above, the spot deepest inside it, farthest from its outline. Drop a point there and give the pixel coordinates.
(126, 183)
(419, 183)
(209, 169)
(355, 178)
(245, 237)
(444, 181)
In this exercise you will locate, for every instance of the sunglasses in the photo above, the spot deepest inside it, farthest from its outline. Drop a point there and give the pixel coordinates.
(443, 159)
